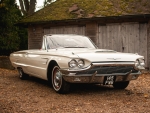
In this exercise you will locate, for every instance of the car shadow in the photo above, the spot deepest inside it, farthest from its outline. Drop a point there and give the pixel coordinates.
(39, 81)
(90, 88)
(78, 88)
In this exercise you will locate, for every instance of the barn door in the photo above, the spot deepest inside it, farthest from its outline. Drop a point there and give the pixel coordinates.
(124, 37)
(109, 37)
(130, 37)
(80, 30)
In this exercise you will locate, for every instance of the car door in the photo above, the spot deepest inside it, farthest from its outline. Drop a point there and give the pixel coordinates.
(32, 59)
(37, 63)
(38, 60)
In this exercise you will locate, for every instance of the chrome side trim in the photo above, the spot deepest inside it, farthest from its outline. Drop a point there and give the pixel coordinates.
(24, 65)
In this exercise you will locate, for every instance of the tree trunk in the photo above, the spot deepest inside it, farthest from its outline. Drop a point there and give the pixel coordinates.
(32, 7)
(27, 8)
(26, 4)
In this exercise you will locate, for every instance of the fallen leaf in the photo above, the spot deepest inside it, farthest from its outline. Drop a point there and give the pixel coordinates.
(146, 95)
(77, 109)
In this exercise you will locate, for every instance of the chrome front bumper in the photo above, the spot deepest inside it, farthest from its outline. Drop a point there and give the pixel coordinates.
(72, 78)
(95, 74)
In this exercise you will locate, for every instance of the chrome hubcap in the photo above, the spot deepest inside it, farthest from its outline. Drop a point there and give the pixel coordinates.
(20, 73)
(57, 79)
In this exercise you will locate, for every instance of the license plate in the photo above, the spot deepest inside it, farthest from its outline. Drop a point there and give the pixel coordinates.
(109, 80)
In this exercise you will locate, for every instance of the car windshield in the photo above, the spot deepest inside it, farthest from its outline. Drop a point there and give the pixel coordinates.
(69, 41)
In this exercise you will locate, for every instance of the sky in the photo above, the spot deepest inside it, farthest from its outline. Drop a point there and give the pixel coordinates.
(38, 6)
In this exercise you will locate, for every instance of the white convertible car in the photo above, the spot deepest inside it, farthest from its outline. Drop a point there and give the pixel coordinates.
(65, 59)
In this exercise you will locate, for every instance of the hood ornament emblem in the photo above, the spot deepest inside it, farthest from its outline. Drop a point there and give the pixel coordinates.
(114, 58)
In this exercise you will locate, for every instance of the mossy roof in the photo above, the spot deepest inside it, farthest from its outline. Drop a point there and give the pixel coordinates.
(78, 9)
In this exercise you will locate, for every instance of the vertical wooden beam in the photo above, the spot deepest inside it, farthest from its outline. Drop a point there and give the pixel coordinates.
(148, 44)
(143, 47)
(91, 31)
(35, 34)
(30, 34)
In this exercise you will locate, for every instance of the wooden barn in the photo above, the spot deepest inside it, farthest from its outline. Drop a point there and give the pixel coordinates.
(121, 25)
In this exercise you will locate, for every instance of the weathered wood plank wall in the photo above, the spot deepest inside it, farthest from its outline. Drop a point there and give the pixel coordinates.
(91, 31)
(148, 44)
(124, 37)
(35, 34)
(143, 39)
(80, 30)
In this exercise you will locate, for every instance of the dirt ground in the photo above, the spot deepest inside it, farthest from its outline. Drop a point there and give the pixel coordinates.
(36, 96)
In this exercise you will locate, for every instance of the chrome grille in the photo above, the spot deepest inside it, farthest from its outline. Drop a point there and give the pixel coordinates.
(109, 70)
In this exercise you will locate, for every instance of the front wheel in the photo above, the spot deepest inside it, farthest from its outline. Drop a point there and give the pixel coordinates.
(22, 75)
(59, 84)
(120, 85)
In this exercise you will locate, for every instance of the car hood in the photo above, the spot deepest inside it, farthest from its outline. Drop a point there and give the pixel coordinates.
(96, 55)
(93, 55)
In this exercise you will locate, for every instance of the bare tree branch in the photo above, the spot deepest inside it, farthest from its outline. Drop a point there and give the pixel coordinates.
(22, 7)
(26, 4)
(46, 2)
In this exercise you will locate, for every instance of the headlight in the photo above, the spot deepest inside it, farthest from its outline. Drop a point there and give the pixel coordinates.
(80, 63)
(142, 62)
(76, 63)
(72, 63)
(139, 64)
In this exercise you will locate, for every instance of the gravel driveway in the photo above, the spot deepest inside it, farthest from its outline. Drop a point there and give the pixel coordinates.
(36, 96)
